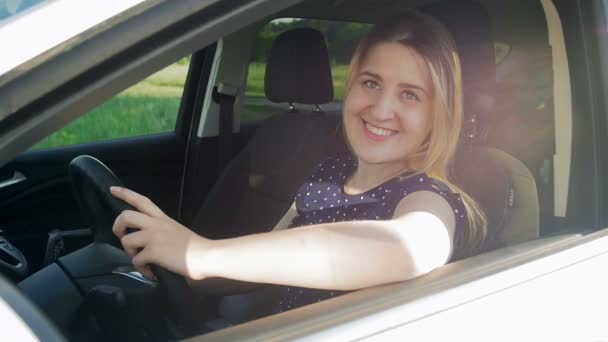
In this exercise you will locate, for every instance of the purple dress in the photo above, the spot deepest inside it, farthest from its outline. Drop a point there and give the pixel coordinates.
(321, 199)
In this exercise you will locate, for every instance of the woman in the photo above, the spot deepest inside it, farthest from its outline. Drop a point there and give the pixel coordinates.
(387, 213)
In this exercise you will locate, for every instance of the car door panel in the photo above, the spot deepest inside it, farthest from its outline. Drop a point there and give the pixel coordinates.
(44, 200)
(551, 307)
(464, 291)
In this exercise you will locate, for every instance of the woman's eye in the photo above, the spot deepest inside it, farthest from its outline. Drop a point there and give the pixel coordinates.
(371, 84)
(410, 95)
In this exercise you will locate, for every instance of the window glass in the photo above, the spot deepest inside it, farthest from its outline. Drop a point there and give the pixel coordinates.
(341, 39)
(148, 107)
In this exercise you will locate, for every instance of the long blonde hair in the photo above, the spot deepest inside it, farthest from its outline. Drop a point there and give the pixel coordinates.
(434, 43)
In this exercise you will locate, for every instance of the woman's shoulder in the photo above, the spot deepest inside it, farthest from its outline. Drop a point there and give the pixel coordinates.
(421, 181)
(411, 183)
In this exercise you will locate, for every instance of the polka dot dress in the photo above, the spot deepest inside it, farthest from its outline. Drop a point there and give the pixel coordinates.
(321, 199)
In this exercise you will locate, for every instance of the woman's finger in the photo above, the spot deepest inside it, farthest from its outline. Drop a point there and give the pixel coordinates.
(146, 271)
(140, 202)
(133, 243)
(131, 219)
(141, 260)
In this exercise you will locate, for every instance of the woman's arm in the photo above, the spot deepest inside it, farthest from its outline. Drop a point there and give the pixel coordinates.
(342, 256)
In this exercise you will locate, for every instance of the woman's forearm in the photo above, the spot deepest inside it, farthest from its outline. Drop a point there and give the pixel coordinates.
(342, 256)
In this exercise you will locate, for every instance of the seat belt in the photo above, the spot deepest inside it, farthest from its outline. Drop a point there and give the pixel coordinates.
(225, 95)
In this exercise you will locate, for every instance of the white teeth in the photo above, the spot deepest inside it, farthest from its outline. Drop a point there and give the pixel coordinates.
(378, 131)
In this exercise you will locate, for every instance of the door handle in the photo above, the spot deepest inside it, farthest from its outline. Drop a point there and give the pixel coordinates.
(18, 177)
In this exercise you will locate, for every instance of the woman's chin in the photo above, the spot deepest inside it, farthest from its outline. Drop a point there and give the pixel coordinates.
(374, 157)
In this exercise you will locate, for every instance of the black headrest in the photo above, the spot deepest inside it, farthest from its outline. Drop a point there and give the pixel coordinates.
(298, 69)
(471, 27)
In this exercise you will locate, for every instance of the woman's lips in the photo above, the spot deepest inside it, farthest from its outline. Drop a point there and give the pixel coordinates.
(376, 133)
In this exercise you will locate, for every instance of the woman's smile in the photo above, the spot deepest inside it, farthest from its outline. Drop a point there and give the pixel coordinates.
(392, 94)
(376, 133)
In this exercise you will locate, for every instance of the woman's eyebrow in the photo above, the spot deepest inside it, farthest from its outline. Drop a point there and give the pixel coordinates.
(370, 74)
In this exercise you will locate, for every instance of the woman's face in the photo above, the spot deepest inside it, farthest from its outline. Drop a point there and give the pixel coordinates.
(387, 112)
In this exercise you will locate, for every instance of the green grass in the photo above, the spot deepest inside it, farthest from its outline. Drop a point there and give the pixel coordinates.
(151, 107)
(255, 80)
(122, 116)
(168, 82)
(339, 72)
(148, 107)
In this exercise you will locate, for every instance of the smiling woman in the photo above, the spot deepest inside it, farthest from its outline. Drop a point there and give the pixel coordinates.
(385, 213)
(390, 98)
(404, 106)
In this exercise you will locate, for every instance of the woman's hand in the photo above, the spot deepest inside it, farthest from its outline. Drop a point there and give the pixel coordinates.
(157, 238)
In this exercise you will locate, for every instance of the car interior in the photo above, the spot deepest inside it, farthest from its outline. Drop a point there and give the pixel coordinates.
(224, 178)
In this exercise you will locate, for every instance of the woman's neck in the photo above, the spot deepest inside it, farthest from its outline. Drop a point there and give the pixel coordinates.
(367, 175)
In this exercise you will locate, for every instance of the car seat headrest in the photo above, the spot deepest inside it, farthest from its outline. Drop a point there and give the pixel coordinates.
(298, 68)
(471, 28)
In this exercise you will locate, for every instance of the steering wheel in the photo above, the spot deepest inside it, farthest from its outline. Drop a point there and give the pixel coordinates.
(91, 181)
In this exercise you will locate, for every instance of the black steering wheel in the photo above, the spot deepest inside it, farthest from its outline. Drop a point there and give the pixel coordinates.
(91, 181)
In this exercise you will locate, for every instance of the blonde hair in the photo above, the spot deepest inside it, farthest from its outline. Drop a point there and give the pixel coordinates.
(435, 44)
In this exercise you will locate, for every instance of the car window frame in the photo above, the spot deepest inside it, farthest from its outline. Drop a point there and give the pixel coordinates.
(585, 206)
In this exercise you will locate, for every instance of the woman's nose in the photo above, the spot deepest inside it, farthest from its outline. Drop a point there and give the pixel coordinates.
(383, 108)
